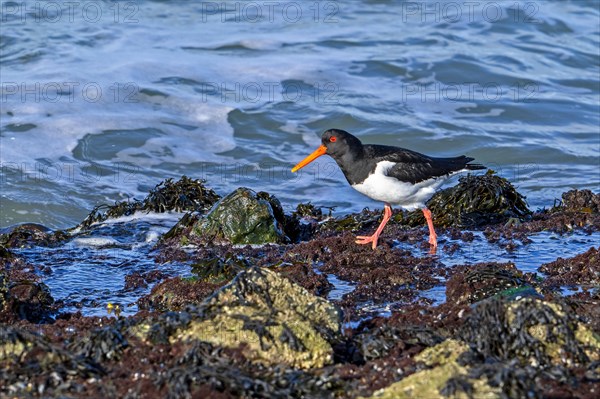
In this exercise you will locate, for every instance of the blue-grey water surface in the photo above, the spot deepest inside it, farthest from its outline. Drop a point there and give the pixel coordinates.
(101, 100)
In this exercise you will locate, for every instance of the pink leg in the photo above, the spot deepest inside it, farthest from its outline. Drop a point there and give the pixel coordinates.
(432, 235)
(387, 214)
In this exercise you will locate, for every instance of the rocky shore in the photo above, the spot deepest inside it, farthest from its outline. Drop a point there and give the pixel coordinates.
(256, 319)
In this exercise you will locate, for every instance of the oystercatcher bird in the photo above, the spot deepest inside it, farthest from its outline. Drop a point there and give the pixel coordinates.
(390, 174)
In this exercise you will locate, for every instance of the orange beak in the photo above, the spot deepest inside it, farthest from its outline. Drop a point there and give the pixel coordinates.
(322, 150)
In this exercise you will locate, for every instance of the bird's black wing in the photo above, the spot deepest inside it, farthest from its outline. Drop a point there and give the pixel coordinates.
(411, 166)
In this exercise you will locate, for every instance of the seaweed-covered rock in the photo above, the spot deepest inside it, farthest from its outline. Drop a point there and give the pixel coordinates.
(470, 284)
(378, 342)
(583, 269)
(107, 343)
(30, 364)
(219, 269)
(176, 293)
(184, 195)
(22, 294)
(475, 201)
(535, 332)
(243, 217)
(273, 321)
(581, 201)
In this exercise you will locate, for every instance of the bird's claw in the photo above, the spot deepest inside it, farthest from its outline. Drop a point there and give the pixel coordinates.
(367, 239)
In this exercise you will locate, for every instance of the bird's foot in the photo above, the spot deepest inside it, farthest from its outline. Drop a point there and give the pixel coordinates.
(368, 239)
(433, 244)
(433, 240)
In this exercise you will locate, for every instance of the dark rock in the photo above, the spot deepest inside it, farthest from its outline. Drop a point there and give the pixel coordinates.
(243, 217)
(30, 300)
(31, 234)
(141, 280)
(22, 295)
(378, 342)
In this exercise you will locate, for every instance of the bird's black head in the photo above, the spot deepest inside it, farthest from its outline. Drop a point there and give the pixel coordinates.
(340, 143)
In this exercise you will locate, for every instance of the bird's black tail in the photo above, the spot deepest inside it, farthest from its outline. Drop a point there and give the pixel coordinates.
(473, 166)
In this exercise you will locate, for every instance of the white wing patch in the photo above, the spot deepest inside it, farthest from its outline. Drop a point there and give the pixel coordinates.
(384, 188)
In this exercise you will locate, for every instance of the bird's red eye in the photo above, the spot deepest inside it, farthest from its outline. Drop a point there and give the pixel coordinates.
(333, 139)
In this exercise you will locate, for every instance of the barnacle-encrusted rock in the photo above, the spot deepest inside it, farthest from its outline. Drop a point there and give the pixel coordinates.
(244, 217)
(273, 321)
(432, 382)
(581, 201)
(475, 201)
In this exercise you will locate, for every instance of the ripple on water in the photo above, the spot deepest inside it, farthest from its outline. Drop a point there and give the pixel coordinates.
(89, 271)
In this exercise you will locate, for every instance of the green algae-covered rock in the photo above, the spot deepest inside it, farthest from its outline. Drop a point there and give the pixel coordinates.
(475, 201)
(270, 318)
(243, 217)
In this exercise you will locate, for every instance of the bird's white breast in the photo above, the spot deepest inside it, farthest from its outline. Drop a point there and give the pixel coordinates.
(384, 188)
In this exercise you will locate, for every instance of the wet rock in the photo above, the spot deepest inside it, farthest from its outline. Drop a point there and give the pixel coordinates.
(31, 234)
(243, 217)
(581, 201)
(272, 320)
(30, 300)
(581, 270)
(22, 295)
(474, 202)
(184, 195)
(470, 284)
(219, 269)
